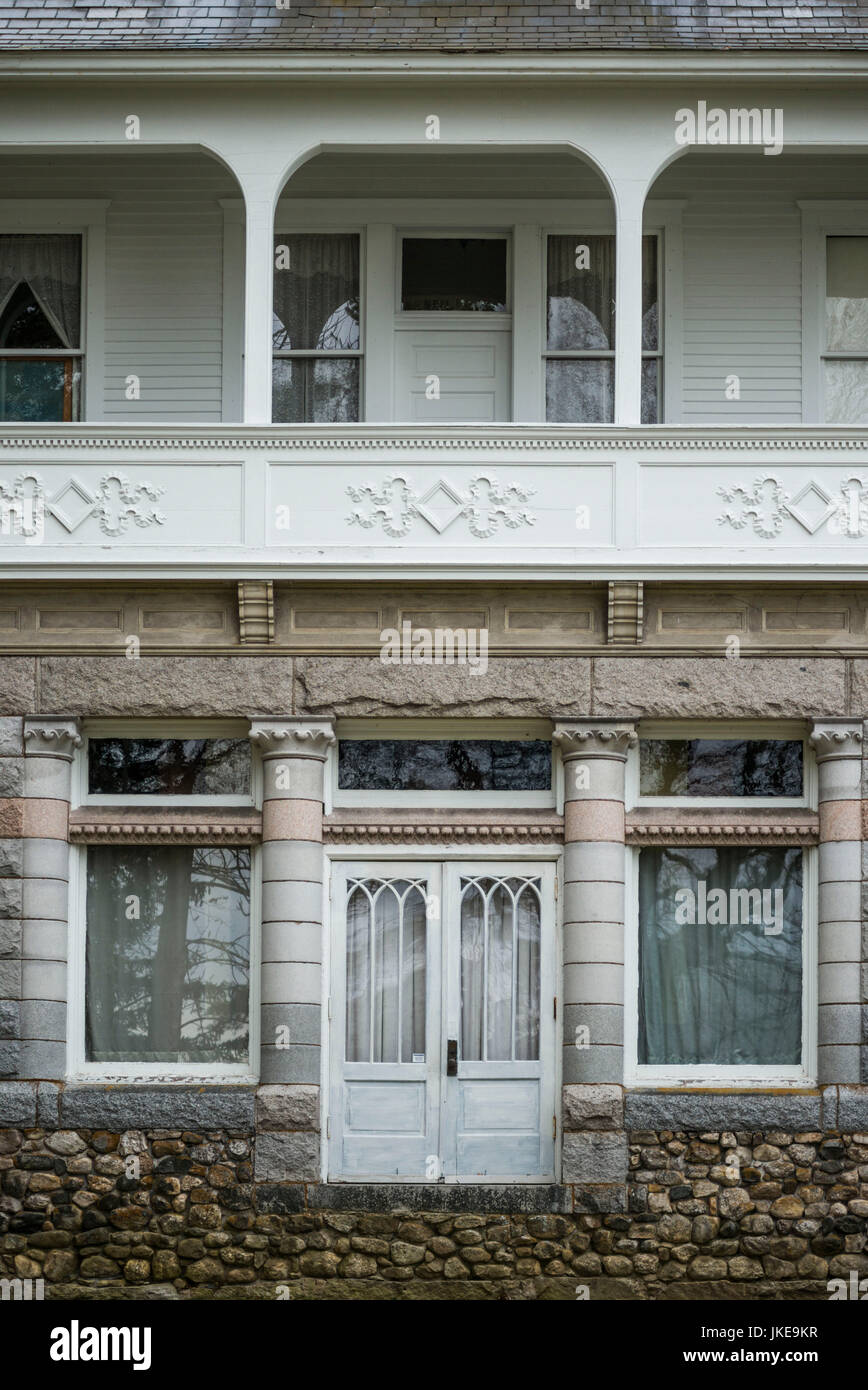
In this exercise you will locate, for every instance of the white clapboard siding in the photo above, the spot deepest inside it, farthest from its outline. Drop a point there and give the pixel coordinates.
(164, 296)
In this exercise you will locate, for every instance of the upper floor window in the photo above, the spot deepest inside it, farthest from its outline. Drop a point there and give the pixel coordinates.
(40, 327)
(845, 356)
(316, 337)
(453, 274)
(580, 330)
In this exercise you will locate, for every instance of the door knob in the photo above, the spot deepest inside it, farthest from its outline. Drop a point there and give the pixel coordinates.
(452, 1057)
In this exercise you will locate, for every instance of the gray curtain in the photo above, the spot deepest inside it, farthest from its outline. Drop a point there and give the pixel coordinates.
(51, 266)
(728, 993)
(316, 298)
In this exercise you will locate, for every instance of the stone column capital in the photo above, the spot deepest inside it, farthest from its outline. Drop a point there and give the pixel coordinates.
(51, 738)
(595, 738)
(292, 738)
(836, 738)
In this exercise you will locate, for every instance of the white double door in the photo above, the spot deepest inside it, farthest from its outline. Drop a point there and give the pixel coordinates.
(442, 1027)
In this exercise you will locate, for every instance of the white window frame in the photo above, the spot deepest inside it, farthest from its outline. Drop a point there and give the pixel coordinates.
(705, 1075)
(315, 354)
(783, 730)
(85, 218)
(162, 728)
(424, 854)
(412, 730)
(822, 219)
(180, 1073)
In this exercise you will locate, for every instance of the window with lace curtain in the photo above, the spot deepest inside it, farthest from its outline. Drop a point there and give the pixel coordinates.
(316, 334)
(41, 356)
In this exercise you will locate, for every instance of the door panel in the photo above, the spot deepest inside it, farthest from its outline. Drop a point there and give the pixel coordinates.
(471, 367)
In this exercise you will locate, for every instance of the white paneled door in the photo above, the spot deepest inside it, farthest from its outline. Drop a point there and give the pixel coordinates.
(442, 1022)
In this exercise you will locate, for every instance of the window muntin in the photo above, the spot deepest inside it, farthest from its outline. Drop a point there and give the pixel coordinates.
(454, 274)
(580, 329)
(40, 327)
(386, 964)
(167, 955)
(845, 355)
(720, 958)
(429, 765)
(721, 767)
(500, 969)
(316, 336)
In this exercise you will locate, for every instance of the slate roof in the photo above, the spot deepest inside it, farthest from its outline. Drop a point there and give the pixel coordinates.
(432, 25)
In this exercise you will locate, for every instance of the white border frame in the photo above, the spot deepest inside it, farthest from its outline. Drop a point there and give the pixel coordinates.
(423, 854)
(163, 728)
(413, 730)
(87, 218)
(712, 1076)
(154, 1073)
(785, 730)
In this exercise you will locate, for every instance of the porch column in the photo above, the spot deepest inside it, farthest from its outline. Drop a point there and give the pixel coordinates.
(838, 747)
(629, 197)
(594, 754)
(259, 199)
(49, 747)
(293, 755)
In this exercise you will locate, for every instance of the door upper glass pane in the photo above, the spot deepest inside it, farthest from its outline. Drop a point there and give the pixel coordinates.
(476, 765)
(454, 274)
(847, 293)
(168, 954)
(169, 766)
(720, 767)
(500, 969)
(720, 956)
(386, 970)
(316, 292)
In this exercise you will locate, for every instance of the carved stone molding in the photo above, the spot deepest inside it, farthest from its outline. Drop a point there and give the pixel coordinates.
(677, 833)
(287, 738)
(836, 738)
(625, 622)
(256, 611)
(385, 829)
(396, 506)
(592, 739)
(158, 826)
(51, 738)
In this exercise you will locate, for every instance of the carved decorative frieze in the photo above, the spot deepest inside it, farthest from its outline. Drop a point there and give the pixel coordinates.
(256, 611)
(116, 503)
(766, 505)
(286, 738)
(626, 616)
(165, 828)
(677, 832)
(51, 738)
(339, 829)
(396, 506)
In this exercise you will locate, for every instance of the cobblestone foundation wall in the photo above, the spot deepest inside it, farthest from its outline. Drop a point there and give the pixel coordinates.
(176, 1214)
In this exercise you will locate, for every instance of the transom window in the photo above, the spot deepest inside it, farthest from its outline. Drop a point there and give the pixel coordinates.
(705, 766)
(40, 328)
(453, 274)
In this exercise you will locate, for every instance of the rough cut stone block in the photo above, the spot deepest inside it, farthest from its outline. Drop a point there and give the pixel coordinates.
(17, 1104)
(600, 1197)
(11, 730)
(48, 1104)
(157, 1107)
(287, 1107)
(591, 1157)
(11, 776)
(551, 687)
(593, 1107)
(11, 858)
(166, 685)
(42, 1059)
(10, 979)
(853, 1108)
(10, 897)
(531, 1198)
(10, 937)
(10, 1018)
(10, 1057)
(17, 689)
(652, 1110)
(718, 688)
(287, 1157)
